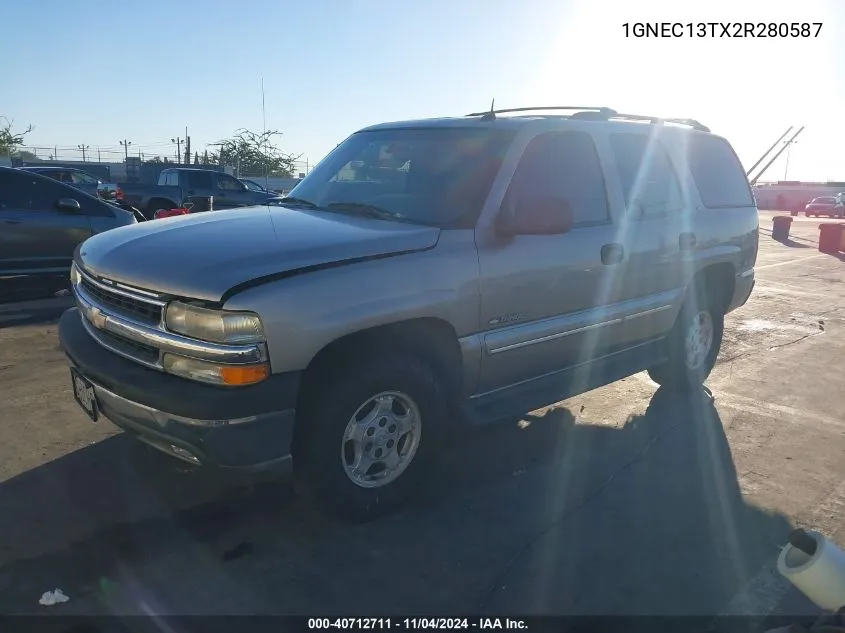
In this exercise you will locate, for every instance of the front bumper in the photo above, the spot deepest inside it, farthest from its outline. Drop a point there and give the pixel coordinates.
(743, 285)
(248, 428)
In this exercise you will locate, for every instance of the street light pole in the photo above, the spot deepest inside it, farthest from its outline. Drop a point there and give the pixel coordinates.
(178, 142)
(83, 148)
(126, 145)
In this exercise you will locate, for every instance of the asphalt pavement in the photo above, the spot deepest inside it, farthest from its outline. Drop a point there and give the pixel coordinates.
(625, 500)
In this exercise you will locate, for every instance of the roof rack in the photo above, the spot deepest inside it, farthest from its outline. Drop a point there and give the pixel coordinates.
(491, 114)
(593, 113)
(655, 120)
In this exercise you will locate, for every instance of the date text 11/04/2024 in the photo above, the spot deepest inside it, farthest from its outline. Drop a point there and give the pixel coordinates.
(722, 29)
(416, 623)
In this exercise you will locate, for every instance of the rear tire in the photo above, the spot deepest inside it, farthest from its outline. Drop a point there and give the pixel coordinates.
(390, 413)
(693, 343)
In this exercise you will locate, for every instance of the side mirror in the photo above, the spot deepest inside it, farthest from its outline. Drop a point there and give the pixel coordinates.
(71, 205)
(537, 215)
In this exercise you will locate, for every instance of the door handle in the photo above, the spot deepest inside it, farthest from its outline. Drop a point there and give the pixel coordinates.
(686, 241)
(612, 253)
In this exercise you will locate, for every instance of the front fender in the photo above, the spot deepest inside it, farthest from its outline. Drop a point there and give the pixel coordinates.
(304, 313)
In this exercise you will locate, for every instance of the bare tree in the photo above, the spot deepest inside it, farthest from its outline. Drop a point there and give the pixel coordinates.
(255, 154)
(9, 140)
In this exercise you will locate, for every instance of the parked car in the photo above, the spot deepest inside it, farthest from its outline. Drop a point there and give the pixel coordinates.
(823, 205)
(175, 186)
(839, 205)
(426, 274)
(78, 179)
(42, 221)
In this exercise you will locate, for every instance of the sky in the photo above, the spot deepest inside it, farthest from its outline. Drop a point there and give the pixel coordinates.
(95, 72)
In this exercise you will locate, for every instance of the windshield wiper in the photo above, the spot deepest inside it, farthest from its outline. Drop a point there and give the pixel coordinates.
(366, 210)
(300, 201)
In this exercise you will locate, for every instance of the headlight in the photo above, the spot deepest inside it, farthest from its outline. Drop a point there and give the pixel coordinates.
(74, 274)
(231, 375)
(217, 326)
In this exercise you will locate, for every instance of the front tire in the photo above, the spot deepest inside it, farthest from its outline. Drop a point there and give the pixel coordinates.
(368, 433)
(693, 343)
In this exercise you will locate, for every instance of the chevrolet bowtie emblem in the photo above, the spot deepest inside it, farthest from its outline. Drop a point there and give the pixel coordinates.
(97, 318)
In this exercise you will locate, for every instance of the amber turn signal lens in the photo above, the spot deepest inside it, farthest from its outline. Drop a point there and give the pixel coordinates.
(244, 374)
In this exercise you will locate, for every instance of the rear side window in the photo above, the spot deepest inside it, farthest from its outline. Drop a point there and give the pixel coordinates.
(195, 179)
(564, 165)
(31, 193)
(645, 170)
(717, 172)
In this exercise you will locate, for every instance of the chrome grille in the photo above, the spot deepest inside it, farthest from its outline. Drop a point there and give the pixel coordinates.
(123, 304)
(129, 322)
(138, 351)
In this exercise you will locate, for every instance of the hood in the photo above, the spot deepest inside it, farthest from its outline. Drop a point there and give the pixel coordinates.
(203, 255)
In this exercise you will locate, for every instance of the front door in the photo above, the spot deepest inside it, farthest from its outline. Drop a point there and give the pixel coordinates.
(36, 237)
(545, 298)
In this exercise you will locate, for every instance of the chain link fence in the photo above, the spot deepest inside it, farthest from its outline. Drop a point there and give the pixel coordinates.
(117, 155)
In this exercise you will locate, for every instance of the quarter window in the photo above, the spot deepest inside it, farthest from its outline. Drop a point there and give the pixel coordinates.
(718, 174)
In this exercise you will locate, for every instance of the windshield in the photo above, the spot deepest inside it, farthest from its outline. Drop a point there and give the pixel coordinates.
(434, 176)
(824, 200)
(252, 186)
(80, 178)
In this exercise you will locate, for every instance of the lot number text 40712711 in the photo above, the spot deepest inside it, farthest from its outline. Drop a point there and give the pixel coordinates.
(417, 623)
(721, 29)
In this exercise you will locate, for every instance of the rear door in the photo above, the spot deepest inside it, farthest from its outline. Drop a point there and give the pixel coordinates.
(36, 237)
(655, 230)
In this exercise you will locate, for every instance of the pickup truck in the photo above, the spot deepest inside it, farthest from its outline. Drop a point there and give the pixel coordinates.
(177, 184)
(426, 274)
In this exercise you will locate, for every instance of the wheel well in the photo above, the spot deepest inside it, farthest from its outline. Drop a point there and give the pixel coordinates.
(718, 281)
(430, 338)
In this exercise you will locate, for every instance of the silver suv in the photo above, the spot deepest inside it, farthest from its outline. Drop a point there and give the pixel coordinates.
(425, 274)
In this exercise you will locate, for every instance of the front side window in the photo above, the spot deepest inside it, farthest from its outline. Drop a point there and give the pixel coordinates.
(194, 179)
(563, 165)
(432, 176)
(227, 183)
(645, 171)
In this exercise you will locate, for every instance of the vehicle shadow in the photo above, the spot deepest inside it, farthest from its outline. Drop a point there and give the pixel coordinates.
(25, 310)
(555, 514)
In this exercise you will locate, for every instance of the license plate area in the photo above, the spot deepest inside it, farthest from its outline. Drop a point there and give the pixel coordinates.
(83, 393)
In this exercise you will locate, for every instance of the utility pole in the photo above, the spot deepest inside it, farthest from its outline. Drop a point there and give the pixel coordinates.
(178, 142)
(789, 145)
(126, 145)
(98, 154)
(187, 147)
(83, 148)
